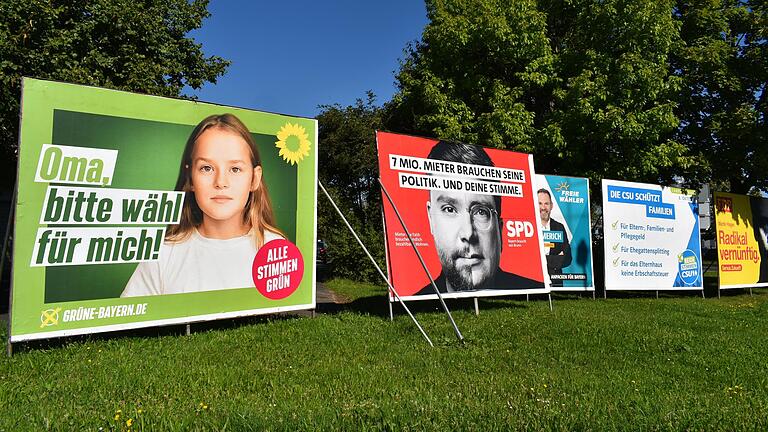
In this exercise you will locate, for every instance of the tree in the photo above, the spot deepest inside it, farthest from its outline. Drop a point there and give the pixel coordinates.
(615, 104)
(349, 171)
(139, 46)
(724, 68)
(476, 74)
(584, 85)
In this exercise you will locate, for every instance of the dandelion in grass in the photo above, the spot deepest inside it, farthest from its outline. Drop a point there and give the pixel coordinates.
(129, 422)
(734, 391)
(202, 406)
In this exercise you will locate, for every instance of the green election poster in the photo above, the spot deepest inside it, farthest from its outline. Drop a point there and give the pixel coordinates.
(136, 211)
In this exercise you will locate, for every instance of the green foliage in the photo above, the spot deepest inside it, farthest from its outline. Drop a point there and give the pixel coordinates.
(614, 106)
(583, 85)
(473, 75)
(607, 365)
(724, 68)
(348, 170)
(138, 46)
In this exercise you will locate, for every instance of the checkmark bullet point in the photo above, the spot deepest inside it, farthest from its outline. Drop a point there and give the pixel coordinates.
(615, 247)
(616, 262)
(613, 225)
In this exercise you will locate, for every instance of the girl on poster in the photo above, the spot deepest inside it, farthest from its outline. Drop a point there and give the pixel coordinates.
(227, 216)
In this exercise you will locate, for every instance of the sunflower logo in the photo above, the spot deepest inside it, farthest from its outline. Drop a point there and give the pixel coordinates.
(293, 142)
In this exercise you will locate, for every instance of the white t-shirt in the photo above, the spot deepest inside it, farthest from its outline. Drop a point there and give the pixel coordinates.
(197, 264)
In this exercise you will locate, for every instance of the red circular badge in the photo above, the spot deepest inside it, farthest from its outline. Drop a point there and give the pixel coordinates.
(278, 269)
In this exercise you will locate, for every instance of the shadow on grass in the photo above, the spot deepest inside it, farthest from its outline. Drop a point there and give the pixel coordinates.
(152, 332)
(378, 305)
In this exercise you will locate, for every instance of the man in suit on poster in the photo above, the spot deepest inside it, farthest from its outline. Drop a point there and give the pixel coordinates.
(557, 248)
(467, 232)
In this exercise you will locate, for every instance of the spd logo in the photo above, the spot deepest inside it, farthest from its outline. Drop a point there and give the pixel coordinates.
(519, 229)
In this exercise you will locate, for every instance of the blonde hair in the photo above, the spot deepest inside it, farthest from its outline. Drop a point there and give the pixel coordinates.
(257, 212)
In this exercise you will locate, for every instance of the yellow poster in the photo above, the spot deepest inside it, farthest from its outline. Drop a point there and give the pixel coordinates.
(741, 240)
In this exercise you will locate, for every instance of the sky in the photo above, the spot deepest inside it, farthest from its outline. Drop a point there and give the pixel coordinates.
(290, 56)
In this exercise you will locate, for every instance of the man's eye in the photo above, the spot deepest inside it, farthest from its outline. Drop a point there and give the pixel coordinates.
(482, 212)
(451, 210)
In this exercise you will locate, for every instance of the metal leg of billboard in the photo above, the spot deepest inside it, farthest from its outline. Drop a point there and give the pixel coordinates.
(352, 230)
(421, 260)
(477, 308)
(6, 241)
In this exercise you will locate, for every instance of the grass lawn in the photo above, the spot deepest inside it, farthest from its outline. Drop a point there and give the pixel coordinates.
(676, 363)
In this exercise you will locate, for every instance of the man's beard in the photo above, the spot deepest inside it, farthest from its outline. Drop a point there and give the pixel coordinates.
(461, 279)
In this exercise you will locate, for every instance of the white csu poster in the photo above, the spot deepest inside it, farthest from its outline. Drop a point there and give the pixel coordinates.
(652, 239)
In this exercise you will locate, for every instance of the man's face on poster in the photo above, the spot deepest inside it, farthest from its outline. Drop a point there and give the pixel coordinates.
(467, 237)
(545, 207)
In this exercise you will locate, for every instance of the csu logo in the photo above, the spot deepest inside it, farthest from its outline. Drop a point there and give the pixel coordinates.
(49, 317)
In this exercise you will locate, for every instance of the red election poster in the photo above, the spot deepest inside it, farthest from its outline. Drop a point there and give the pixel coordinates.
(471, 212)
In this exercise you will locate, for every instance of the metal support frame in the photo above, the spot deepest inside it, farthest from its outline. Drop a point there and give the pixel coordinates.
(375, 264)
(421, 260)
(6, 241)
(477, 307)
